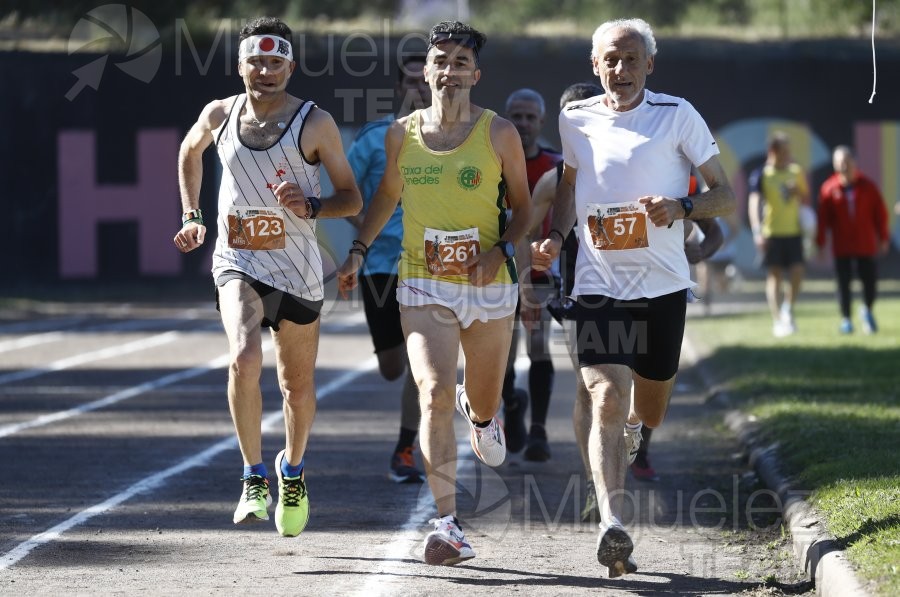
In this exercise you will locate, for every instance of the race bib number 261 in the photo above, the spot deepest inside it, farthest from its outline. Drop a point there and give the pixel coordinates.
(447, 252)
(256, 228)
(617, 226)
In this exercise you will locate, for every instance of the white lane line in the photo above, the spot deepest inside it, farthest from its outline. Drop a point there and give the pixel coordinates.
(95, 355)
(405, 543)
(29, 341)
(149, 386)
(119, 326)
(41, 325)
(154, 481)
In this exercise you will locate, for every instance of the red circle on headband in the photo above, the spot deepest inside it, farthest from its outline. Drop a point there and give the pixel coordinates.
(267, 44)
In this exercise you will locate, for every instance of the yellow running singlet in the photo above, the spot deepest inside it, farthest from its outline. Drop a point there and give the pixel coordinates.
(454, 204)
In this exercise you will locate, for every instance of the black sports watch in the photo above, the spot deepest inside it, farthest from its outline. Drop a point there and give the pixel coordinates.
(687, 205)
(507, 248)
(313, 205)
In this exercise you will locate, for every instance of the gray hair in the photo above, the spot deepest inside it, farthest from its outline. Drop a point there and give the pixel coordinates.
(843, 149)
(527, 95)
(639, 26)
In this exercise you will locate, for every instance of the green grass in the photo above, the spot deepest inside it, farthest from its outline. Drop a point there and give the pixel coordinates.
(831, 404)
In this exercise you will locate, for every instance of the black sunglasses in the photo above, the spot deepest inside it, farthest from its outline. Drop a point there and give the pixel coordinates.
(462, 39)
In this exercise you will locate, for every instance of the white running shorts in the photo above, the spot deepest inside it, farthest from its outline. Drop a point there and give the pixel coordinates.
(468, 303)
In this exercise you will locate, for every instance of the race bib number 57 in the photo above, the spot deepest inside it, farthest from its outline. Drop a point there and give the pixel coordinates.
(617, 226)
(255, 228)
(447, 252)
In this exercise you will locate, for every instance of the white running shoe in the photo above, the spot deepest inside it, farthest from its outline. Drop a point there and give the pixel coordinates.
(488, 443)
(782, 330)
(788, 323)
(633, 439)
(446, 545)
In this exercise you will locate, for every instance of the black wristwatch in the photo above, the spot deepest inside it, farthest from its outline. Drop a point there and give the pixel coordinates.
(507, 248)
(687, 205)
(313, 205)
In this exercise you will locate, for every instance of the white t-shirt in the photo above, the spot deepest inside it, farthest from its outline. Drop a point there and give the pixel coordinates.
(621, 157)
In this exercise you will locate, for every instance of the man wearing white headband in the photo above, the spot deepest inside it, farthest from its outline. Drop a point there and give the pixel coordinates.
(266, 264)
(265, 45)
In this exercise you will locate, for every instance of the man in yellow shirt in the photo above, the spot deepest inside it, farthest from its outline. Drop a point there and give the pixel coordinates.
(778, 190)
(456, 165)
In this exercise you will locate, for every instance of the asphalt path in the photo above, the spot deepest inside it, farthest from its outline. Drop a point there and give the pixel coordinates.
(121, 475)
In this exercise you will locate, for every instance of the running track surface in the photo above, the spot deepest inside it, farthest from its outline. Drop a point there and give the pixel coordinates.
(121, 474)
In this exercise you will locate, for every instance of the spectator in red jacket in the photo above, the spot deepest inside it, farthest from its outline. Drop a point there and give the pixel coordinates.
(852, 209)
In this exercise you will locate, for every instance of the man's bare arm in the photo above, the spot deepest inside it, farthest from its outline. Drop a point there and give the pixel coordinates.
(190, 170)
(719, 200)
(190, 154)
(382, 206)
(322, 130)
(564, 216)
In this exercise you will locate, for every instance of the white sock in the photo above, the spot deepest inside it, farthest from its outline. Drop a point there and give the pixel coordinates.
(613, 522)
(636, 427)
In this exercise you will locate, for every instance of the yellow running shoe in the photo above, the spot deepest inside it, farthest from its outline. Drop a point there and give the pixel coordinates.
(292, 511)
(255, 500)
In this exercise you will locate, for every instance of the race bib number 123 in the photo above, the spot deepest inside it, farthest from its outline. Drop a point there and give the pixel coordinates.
(255, 228)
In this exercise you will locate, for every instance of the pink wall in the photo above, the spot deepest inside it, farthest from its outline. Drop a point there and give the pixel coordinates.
(152, 202)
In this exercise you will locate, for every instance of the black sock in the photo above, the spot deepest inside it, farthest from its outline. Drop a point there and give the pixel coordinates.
(537, 430)
(483, 424)
(407, 437)
(509, 388)
(646, 433)
(540, 384)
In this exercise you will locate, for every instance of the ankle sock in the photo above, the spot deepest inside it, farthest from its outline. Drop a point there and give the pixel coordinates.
(406, 440)
(612, 522)
(255, 469)
(635, 427)
(291, 471)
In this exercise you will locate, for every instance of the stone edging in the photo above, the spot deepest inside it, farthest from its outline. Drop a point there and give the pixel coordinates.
(816, 552)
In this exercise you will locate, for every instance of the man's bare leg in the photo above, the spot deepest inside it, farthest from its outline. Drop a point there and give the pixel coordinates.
(242, 312)
(432, 341)
(486, 346)
(296, 347)
(610, 390)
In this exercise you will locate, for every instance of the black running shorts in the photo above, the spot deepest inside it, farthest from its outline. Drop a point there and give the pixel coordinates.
(643, 334)
(783, 251)
(277, 304)
(379, 292)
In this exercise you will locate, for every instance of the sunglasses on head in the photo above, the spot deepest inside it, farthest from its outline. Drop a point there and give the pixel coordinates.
(462, 39)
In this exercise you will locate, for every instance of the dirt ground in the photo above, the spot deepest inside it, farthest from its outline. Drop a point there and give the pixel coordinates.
(134, 495)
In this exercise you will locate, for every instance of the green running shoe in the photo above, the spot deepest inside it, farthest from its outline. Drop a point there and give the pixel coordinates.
(254, 500)
(292, 511)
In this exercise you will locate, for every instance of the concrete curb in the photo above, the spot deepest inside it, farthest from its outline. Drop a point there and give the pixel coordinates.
(817, 552)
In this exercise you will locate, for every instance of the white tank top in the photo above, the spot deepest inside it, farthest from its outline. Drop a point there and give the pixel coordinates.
(247, 175)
